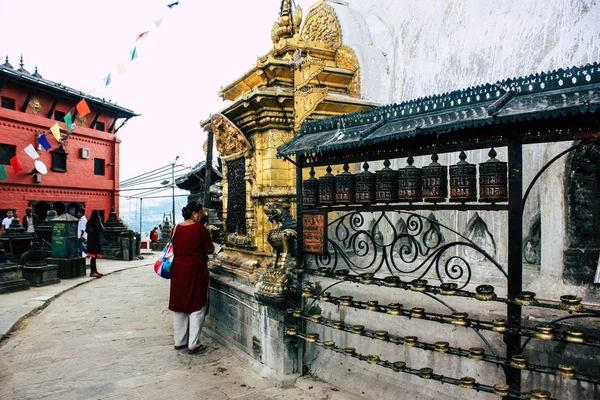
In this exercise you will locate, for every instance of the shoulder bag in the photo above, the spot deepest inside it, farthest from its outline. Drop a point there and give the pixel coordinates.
(162, 266)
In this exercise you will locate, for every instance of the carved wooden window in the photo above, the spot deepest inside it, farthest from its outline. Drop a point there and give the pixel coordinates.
(8, 102)
(59, 160)
(236, 197)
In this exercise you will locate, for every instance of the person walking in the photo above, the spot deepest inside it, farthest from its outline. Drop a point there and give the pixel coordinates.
(94, 228)
(189, 278)
(81, 233)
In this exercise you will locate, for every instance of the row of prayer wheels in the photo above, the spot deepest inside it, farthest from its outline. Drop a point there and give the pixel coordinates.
(410, 184)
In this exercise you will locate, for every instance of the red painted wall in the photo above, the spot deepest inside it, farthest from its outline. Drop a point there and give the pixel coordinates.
(79, 183)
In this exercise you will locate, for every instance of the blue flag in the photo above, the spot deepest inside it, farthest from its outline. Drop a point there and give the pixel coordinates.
(173, 4)
(44, 142)
(107, 80)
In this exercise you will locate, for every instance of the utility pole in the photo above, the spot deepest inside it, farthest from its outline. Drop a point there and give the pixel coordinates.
(208, 165)
(173, 189)
(141, 210)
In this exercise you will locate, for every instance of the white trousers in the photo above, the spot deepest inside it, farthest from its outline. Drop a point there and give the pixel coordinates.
(187, 328)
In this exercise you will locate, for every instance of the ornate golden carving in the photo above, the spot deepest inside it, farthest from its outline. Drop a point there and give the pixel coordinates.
(81, 121)
(354, 87)
(310, 68)
(321, 25)
(228, 137)
(346, 58)
(306, 101)
(289, 22)
(36, 105)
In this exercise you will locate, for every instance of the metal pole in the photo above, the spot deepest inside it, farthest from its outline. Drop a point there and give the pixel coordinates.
(299, 256)
(141, 210)
(208, 174)
(515, 254)
(173, 189)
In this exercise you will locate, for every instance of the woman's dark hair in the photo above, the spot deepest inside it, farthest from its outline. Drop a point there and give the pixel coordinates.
(192, 207)
(95, 215)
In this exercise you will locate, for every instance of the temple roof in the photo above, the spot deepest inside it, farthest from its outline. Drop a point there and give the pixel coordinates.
(35, 81)
(546, 95)
(196, 175)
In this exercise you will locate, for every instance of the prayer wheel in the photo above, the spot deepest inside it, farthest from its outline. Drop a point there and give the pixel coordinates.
(386, 184)
(410, 181)
(435, 181)
(344, 187)
(327, 188)
(310, 191)
(493, 180)
(463, 181)
(365, 186)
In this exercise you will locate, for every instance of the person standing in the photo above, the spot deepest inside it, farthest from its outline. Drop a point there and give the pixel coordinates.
(154, 235)
(30, 222)
(81, 233)
(160, 231)
(94, 228)
(6, 221)
(189, 278)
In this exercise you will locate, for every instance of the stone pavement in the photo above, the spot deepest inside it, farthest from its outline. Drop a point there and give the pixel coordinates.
(111, 338)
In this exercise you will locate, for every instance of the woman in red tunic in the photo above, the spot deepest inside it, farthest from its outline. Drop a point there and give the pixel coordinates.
(189, 278)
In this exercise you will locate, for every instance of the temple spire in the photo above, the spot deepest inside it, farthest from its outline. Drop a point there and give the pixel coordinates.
(290, 18)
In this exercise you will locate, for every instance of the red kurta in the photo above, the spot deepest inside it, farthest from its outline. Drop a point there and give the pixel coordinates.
(189, 271)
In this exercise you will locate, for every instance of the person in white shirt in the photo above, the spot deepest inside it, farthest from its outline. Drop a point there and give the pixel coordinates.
(6, 221)
(81, 233)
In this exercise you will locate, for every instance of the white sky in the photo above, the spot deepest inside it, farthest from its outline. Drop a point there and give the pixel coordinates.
(200, 46)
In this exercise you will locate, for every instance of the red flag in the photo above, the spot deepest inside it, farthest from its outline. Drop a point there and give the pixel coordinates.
(15, 164)
(141, 35)
(82, 108)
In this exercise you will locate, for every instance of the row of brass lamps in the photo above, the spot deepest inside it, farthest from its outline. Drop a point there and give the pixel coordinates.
(410, 184)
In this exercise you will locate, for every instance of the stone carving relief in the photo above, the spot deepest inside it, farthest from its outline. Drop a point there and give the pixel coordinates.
(321, 25)
(228, 137)
(532, 252)
(479, 234)
(306, 101)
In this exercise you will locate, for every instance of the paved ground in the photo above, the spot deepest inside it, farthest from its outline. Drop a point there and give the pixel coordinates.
(111, 338)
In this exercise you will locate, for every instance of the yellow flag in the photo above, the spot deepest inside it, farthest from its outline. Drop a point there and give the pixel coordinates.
(55, 131)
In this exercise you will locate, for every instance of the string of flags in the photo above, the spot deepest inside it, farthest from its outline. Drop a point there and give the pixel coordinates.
(82, 109)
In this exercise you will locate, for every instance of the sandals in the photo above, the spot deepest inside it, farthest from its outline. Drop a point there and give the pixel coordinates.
(183, 346)
(197, 349)
(96, 275)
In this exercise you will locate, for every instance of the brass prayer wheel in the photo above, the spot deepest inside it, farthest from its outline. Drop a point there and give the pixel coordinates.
(410, 182)
(467, 382)
(574, 336)
(426, 373)
(291, 330)
(441, 347)
(327, 188)
(329, 344)
(526, 299)
(316, 318)
(394, 308)
(297, 313)
(537, 394)
(463, 180)
(518, 361)
(372, 358)
(337, 324)
(381, 335)
(346, 301)
(358, 329)
(372, 305)
(310, 190)
(312, 337)
(391, 281)
(476, 353)
(344, 187)
(325, 296)
(366, 278)
(460, 319)
(448, 289)
(435, 181)
(499, 325)
(544, 332)
(364, 186)
(565, 370)
(324, 270)
(341, 274)
(386, 184)
(501, 389)
(398, 366)
(349, 351)
(418, 285)
(485, 293)
(307, 292)
(493, 180)
(410, 340)
(570, 303)
(417, 312)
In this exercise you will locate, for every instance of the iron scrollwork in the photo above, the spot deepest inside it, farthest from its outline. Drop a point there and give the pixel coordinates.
(415, 246)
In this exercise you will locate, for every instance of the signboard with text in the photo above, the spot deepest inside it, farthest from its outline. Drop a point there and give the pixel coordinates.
(314, 232)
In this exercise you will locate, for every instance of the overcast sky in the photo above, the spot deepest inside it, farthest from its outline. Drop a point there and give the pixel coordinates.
(174, 83)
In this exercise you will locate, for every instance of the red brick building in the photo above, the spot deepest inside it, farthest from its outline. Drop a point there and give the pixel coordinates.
(83, 169)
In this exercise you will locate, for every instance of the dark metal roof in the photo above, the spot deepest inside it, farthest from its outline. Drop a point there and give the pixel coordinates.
(546, 95)
(39, 83)
(197, 173)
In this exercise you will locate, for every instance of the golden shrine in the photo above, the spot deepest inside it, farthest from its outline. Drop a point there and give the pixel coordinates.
(308, 74)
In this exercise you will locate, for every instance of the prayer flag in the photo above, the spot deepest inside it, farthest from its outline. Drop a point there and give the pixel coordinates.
(122, 68)
(3, 175)
(31, 152)
(44, 142)
(68, 120)
(133, 53)
(157, 22)
(83, 108)
(55, 131)
(107, 80)
(173, 4)
(15, 164)
(141, 35)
